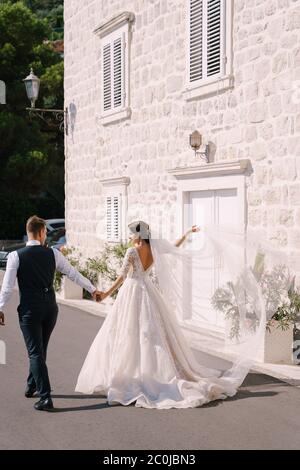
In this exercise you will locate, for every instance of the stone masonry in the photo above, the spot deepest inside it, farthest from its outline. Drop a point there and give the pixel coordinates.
(258, 119)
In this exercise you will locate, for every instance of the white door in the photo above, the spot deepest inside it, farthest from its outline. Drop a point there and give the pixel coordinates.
(217, 207)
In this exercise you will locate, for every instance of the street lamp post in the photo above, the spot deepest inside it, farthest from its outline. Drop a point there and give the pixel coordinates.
(32, 85)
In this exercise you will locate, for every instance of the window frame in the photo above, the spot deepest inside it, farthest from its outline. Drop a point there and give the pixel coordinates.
(122, 34)
(223, 80)
(116, 188)
(117, 27)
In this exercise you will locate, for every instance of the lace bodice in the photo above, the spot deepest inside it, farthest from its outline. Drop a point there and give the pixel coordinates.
(132, 265)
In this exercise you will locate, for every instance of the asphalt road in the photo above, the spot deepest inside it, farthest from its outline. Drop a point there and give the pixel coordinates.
(263, 415)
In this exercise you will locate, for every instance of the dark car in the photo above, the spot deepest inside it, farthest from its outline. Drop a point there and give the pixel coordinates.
(55, 239)
(5, 252)
(51, 225)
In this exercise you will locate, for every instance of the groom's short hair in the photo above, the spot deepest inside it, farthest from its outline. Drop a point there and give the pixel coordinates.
(35, 224)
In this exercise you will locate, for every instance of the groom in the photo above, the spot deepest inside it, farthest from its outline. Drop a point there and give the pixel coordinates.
(34, 267)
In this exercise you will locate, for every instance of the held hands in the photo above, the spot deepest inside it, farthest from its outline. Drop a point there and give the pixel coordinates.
(99, 295)
(2, 319)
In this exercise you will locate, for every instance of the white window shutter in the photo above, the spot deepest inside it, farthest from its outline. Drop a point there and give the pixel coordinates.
(206, 36)
(113, 218)
(196, 40)
(109, 218)
(114, 73)
(107, 78)
(116, 218)
(214, 44)
(118, 72)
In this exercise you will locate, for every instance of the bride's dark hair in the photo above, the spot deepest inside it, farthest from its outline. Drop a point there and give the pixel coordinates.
(142, 229)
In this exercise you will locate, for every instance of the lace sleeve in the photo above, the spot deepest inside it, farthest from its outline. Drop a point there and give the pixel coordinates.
(127, 262)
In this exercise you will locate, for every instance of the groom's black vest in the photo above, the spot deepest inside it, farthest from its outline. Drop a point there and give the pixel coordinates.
(36, 274)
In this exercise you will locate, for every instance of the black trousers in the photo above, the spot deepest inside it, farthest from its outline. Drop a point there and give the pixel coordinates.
(37, 320)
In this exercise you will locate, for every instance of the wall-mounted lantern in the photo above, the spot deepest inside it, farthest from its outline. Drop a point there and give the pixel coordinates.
(196, 142)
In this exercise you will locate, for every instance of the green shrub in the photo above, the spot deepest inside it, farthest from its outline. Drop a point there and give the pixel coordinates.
(105, 266)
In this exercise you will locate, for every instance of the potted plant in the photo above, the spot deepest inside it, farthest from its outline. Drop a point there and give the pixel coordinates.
(282, 302)
(103, 269)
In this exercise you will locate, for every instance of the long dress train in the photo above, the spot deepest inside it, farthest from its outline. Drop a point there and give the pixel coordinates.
(140, 354)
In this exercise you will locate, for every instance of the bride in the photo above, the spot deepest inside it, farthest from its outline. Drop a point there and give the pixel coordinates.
(140, 353)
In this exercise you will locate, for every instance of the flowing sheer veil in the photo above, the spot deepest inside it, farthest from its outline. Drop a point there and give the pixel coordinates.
(227, 287)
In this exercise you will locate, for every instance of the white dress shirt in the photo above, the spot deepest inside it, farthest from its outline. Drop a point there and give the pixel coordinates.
(62, 265)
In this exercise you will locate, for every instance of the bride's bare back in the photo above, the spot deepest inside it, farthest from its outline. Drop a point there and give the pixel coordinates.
(145, 254)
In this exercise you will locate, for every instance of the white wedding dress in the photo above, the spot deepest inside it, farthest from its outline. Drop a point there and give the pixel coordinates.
(140, 354)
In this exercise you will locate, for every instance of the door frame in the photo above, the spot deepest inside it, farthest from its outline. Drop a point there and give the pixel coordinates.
(213, 195)
(211, 177)
(187, 186)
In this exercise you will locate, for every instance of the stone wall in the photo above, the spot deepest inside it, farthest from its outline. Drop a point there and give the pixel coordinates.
(259, 119)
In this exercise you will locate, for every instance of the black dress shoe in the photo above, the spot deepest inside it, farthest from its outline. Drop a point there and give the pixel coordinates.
(30, 391)
(44, 404)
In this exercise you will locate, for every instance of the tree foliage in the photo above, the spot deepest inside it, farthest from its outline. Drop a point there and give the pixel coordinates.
(31, 152)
